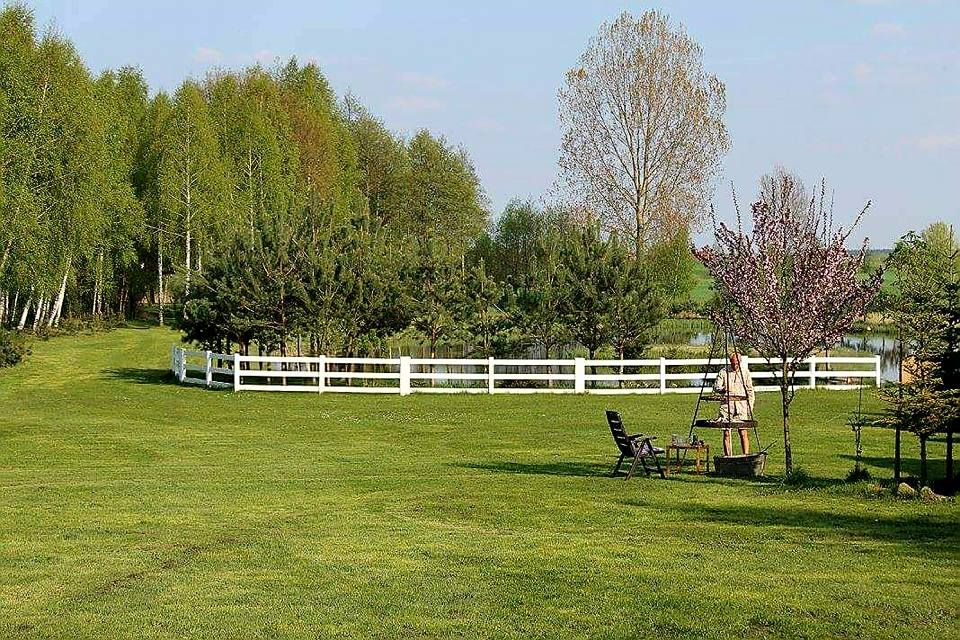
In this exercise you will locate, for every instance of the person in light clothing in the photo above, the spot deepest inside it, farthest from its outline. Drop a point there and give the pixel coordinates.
(733, 382)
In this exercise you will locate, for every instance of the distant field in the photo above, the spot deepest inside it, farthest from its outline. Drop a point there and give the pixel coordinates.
(132, 507)
(702, 291)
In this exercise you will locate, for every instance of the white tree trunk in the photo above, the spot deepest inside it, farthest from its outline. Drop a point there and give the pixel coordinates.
(6, 255)
(13, 307)
(23, 316)
(160, 284)
(97, 284)
(39, 311)
(186, 288)
(55, 312)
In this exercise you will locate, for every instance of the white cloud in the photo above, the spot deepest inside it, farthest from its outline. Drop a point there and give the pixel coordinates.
(887, 29)
(208, 55)
(424, 81)
(935, 141)
(416, 103)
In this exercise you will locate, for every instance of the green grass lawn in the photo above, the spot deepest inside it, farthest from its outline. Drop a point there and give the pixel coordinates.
(132, 507)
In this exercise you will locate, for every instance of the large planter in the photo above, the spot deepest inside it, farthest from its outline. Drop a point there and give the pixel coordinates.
(743, 466)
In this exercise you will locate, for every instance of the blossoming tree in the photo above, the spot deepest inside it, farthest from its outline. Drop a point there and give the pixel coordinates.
(790, 286)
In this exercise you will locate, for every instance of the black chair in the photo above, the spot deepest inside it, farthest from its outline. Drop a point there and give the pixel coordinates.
(639, 447)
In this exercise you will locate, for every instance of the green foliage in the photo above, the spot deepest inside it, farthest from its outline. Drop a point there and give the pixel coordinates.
(926, 310)
(442, 297)
(286, 283)
(610, 299)
(112, 200)
(446, 203)
(13, 348)
(673, 266)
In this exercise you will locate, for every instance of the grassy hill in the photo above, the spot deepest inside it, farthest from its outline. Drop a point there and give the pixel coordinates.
(132, 507)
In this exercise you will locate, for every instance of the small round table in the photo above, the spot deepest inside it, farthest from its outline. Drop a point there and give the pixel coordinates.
(700, 448)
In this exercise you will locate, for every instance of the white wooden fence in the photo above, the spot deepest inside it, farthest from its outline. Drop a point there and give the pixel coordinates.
(406, 375)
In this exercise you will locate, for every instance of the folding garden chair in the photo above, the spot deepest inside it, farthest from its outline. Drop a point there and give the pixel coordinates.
(638, 447)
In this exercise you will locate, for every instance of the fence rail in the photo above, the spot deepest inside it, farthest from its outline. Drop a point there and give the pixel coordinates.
(406, 375)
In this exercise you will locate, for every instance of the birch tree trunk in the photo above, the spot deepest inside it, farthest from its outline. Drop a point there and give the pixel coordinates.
(38, 311)
(98, 285)
(55, 312)
(186, 288)
(160, 284)
(6, 255)
(23, 316)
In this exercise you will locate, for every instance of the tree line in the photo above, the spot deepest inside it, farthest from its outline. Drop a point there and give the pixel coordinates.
(112, 197)
(257, 207)
(549, 285)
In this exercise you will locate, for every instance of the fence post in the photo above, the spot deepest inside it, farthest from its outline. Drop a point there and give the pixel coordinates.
(491, 382)
(579, 375)
(321, 373)
(404, 375)
(879, 372)
(182, 374)
(663, 376)
(813, 372)
(237, 359)
(208, 369)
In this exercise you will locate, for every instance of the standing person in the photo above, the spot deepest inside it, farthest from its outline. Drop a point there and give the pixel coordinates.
(734, 383)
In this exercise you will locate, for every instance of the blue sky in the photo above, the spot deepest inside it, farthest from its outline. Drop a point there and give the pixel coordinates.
(864, 93)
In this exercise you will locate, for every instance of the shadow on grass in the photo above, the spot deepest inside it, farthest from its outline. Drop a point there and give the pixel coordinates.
(936, 465)
(581, 469)
(140, 375)
(602, 470)
(938, 534)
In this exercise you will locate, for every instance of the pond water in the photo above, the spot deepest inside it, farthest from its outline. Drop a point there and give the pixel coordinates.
(868, 343)
(697, 334)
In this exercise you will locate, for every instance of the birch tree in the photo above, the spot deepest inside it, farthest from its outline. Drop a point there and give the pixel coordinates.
(191, 179)
(121, 98)
(147, 186)
(326, 151)
(643, 130)
(446, 201)
(258, 148)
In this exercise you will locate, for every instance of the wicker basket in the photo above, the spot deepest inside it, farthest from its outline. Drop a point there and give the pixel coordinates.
(744, 466)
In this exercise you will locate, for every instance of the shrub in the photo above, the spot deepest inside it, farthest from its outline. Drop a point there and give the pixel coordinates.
(13, 349)
(87, 324)
(858, 474)
(797, 478)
